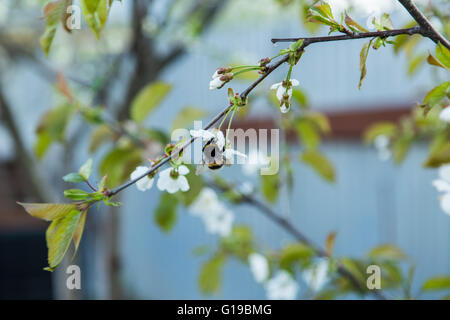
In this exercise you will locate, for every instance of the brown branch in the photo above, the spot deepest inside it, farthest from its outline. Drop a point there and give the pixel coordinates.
(297, 234)
(374, 34)
(427, 29)
(35, 182)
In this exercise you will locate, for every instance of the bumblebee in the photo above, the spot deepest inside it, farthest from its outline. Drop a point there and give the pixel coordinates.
(212, 156)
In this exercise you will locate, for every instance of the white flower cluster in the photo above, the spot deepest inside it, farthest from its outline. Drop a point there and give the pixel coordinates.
(170, 179)
(443, 185)
(217, 218)
(381, 143)
(282, 286)
(316, 277)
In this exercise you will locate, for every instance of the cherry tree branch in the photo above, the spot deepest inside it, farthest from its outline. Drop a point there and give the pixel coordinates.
(246, 92)
(374, 34)
(427, 29)
(297, 234)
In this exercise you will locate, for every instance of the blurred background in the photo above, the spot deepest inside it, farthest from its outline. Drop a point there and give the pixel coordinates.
(123, 253)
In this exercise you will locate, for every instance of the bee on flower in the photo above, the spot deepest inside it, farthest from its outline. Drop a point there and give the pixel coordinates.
(217, 152)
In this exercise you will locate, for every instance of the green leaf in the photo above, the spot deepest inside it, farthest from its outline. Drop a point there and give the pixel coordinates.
(270, 187)
(210, 275)
(86, 169)
(96, 14)
(415, 63)
(48, 211)
(148, 99)
(300, 97)
(320, 120)
(320, 164)
(187, 116)
(307, 133)
(387, 252)
(59, 235)
(437, 94)
(79, 231)
(119, 163)
(166, 212)
(76, 194)
(42, 144)
(353, 25)
(53, 13)
(435, 62)
(362, 62)
(293, 254)
(388, 129)
(73, 177)
(439, 157)
(196, 184)
(400, 148)
(437, 283)
(55, 121)
(443, 54)
(100, 135)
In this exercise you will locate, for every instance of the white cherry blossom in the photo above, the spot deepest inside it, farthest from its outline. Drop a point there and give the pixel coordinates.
(445, 114)
(443, 185)
(282, 287)
(284, 97)
(145, 183)
(381, 143)
(172, 180)
(317, 276)
(259, 267)
(216, 217)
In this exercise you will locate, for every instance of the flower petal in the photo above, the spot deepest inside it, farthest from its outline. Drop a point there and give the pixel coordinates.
(441, 185)
(295, 82)
(445, 203)
(183, 184)
(204, 134)
(445, 115)
(276, 85)
(183, 170)
(444, 172)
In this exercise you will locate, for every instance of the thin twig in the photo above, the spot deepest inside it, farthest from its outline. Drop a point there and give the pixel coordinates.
(374, 34)
(297, 234)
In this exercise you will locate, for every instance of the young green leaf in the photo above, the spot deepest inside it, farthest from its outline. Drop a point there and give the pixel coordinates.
(148, 99)
(308, 133)
(270, 187)
(73, 177)
(387, 252)
(76, 194)
(443, 54)
(319, 163)
(437, 94)
(353, 25)
(437, 283)
(166, 212)
(86, 169)
(59, 235)
(96, 14)
(187, 116)
(79, 231)
(210, 275)
(48, 211)
(362, 62)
